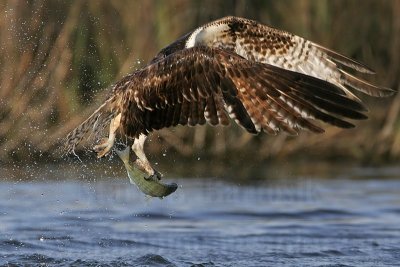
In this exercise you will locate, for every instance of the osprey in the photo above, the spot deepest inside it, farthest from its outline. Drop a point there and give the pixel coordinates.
(263, 78)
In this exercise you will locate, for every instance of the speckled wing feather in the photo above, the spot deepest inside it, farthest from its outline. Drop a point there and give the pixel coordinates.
(260, 43)
(93, 126)
(200, 84)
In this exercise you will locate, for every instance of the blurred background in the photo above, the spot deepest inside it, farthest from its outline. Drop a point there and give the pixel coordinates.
(58, 59)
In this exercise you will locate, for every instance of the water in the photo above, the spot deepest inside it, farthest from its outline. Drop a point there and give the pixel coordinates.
(301, 221)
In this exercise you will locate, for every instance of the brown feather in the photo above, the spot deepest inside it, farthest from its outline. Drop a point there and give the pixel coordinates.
(210, 112)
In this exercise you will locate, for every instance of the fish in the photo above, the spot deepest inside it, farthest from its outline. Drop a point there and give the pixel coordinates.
(150, 187)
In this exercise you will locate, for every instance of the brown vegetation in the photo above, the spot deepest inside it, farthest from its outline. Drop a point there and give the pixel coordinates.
(57, 58)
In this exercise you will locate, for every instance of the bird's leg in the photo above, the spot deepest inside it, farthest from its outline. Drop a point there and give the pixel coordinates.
(142, 162)
(107, 143)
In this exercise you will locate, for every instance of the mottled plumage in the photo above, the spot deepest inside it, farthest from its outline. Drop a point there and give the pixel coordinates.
(264, 79)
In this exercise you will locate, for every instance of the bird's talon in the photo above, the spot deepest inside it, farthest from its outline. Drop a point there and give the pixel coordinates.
(150, 178)
(103, 148)
(158, 175)
(155, 177)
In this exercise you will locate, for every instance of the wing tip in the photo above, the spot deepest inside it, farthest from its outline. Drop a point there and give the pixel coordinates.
(386, 91)
(344, 60)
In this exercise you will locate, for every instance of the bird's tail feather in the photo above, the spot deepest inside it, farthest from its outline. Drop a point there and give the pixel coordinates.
(92, 126)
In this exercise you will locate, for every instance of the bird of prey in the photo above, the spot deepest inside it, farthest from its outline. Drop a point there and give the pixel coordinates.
(232, 68)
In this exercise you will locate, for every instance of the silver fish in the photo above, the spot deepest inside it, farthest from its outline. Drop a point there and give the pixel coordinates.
(150, 187)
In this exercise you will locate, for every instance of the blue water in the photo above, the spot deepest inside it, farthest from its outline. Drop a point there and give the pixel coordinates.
(352, 220)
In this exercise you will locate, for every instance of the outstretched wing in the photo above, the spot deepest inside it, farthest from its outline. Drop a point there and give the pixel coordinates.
(202, 84)
(260, 43)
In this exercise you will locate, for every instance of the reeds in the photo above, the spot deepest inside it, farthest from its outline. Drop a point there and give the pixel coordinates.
(58, 57)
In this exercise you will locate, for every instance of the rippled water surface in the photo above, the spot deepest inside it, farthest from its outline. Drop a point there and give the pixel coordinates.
(304, 221)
